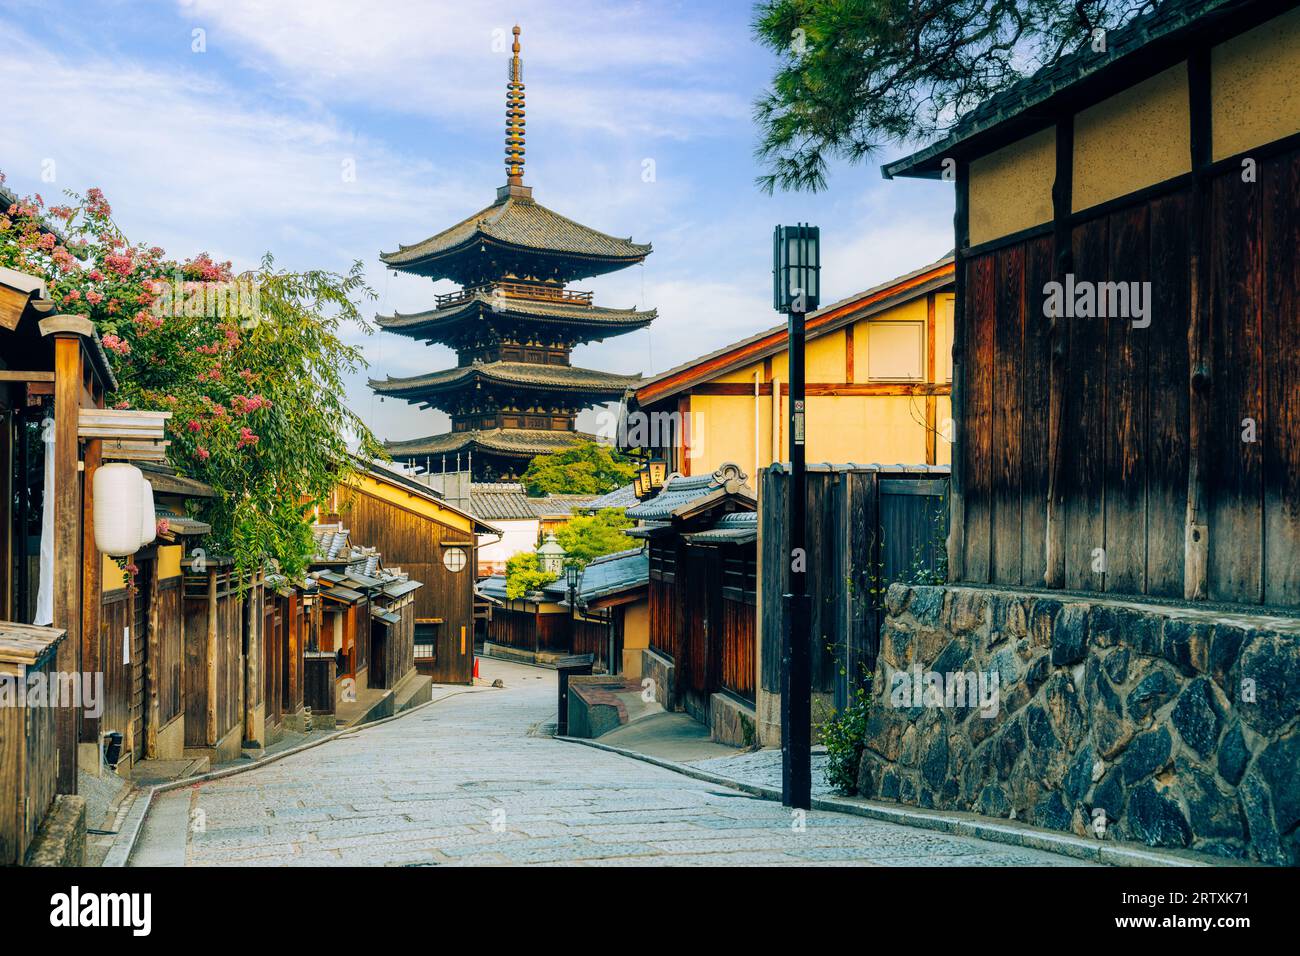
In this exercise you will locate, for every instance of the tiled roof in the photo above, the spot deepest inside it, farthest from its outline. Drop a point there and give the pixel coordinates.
(607, 575)
(493, 587)
(737, 528)
(509, 500)
(1125, 44)
(624, 497)
(524, 442)
(523, 374)
(482, 305)
(518, 221)
(680, 495)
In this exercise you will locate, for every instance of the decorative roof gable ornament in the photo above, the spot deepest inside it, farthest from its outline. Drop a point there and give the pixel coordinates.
(730, 477)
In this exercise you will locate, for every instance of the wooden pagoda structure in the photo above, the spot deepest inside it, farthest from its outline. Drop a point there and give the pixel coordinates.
(513, 323)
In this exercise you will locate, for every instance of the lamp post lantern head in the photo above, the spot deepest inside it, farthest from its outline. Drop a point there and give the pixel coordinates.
(571, 575)
(796, 268)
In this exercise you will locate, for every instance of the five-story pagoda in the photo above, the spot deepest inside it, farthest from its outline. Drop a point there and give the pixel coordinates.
(513, 323)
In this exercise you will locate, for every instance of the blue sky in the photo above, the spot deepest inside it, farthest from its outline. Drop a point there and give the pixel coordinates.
(240, 149)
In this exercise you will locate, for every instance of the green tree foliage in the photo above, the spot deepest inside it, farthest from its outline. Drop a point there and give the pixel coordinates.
(589, 536)
(854, 75)
(586, 468)
(523, 575)
(255, 392)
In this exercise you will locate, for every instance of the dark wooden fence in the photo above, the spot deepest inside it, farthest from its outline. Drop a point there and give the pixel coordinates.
(868, 526)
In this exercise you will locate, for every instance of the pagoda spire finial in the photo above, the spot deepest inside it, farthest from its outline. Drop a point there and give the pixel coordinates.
(515, 117)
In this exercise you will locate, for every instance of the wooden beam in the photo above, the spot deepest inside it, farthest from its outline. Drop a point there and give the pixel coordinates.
(92, 570)
(1063, 263)
(1200, 351)
(14, 375)
(956, 503)
(931, 401)
(210, 654)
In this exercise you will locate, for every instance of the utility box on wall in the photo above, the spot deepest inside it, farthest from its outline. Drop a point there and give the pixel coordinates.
(29, 756)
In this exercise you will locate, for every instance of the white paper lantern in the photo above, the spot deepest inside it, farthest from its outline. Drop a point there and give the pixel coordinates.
(148, 517)
(118, 500)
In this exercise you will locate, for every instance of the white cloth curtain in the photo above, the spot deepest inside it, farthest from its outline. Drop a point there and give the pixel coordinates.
(45, 593)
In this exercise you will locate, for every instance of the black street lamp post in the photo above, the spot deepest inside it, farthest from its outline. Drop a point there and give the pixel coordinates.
(796, 291)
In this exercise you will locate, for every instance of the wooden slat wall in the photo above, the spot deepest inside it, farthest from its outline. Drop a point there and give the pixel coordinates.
(1126, 400)
(170, 646)
(865, 530)
(1280, 219)
(738, 648)
(414, 543)
(28, 768)
(116, 615)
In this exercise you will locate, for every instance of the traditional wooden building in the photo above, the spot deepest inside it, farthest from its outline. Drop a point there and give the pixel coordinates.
(611, 612)
(52, 367)
(878, 371)
(1147, 408)
(514, 392)
(609, 616)
(139, 645)
(436, 544)
(702, 534)
(1127, 398)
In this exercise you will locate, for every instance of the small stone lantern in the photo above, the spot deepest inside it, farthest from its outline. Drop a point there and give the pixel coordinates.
(551, 555)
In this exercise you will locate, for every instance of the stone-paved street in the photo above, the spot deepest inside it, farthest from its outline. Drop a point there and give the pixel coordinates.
(462, 782)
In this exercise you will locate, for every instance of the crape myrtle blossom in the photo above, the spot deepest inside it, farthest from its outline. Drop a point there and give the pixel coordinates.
(227, 388)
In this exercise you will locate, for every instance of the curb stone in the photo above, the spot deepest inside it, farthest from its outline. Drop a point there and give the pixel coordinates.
(958, 824)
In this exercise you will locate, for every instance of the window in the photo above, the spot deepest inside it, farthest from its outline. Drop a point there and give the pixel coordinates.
(454, 559)
(896, 351)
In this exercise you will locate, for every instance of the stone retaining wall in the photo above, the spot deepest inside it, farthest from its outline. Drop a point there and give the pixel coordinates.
(1167, 725)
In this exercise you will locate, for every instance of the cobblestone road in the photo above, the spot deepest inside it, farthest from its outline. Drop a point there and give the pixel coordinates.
(461, 782)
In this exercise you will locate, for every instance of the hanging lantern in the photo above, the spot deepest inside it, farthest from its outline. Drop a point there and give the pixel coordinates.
(118, 501)
(658, 472)
(148, 516)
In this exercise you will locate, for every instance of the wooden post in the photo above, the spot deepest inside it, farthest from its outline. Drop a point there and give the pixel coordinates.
(153, 651)
(210, 652)
(1196, 537)
(67, 544)
(931, 368)
(253, 625)
(956, 506)
(92, 572)
(1063, 263)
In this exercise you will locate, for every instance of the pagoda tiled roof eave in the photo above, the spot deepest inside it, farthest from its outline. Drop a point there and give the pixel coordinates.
(597, 317)
(509, 442)
(521, 224)
(567, 378)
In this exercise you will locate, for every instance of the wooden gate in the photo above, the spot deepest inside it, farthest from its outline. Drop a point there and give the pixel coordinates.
(868, 527)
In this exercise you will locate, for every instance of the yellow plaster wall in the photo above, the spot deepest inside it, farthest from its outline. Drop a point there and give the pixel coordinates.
(1137, 138)
(169, 561)
(886, 429)
(636, 637)
(862, 428)
(1255, 86)
(114, 578)
(1011, 188)
(824, 358)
